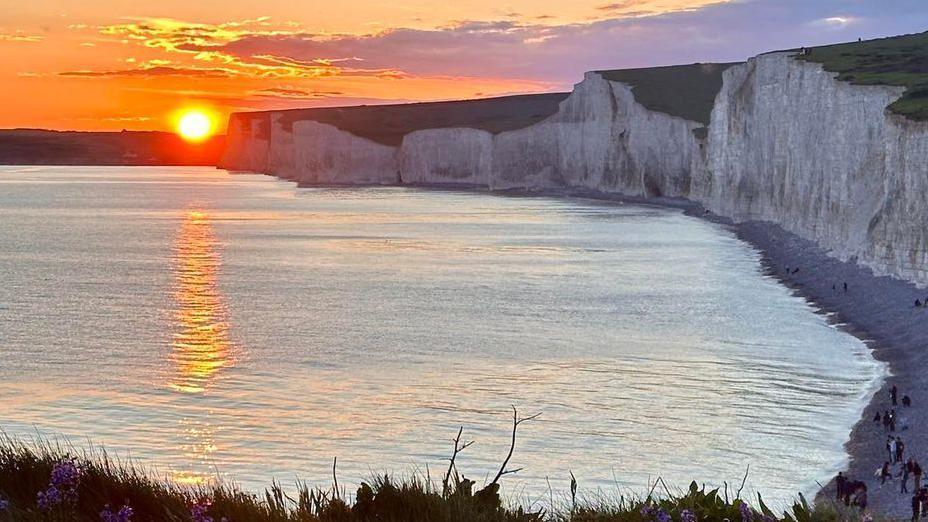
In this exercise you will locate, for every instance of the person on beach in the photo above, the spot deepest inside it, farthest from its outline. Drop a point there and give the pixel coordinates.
(916, 505)
(862, 497)
(900, 449)
(885, 473)
(906, 402)
(891, 448)
(845, 286)
(904, 475)
(886, 420)
(892, 420)
(893, 393)
(917, 476)
(878, 418)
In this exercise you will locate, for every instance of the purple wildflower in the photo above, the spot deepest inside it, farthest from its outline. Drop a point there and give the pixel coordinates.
(123, 515)
(199, 512)
(747, 515)
(647, 510)
(687, 516)
(49, 498)
(65, 475)
(62, 487)
(662, 516)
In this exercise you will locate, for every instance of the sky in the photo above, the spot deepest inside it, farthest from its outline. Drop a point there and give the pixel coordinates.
(126, 64)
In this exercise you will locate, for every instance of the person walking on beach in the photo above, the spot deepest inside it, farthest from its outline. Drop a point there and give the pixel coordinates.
(900, 449)
(878, 418)
(917, 475)
(862, 497)
(916, 506)
(885, 473)
(891, 448)
(886, 420)
(893, 393)
(906, 402)
(904, 475)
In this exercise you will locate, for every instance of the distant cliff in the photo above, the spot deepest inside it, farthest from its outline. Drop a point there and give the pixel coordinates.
(777, 138)
(44, 147)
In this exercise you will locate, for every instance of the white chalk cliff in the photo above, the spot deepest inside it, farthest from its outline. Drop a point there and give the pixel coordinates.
(787, 143)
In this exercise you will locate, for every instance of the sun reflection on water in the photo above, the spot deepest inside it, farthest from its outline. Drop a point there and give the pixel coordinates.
(201, 345)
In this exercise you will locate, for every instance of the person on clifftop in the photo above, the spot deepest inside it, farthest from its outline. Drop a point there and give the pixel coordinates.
(840, 485)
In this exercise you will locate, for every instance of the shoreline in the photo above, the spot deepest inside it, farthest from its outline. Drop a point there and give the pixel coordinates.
(878, 310)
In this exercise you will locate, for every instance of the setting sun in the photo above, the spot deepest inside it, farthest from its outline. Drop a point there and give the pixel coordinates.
(194, 126)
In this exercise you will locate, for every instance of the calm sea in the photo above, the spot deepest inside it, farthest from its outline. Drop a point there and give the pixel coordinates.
(214, 325)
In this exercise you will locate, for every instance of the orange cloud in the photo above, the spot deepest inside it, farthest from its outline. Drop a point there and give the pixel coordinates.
(20, 36)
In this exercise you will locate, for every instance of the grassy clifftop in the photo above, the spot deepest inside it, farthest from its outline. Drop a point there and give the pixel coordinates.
(899, 60)
(687, 91)
(387, 124)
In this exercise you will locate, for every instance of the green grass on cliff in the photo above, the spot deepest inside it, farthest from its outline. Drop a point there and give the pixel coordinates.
(687, 91)
(900, 60)
(48, 484)
(387, 124)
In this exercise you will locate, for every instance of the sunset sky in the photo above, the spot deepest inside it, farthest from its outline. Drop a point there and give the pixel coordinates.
(114, 64)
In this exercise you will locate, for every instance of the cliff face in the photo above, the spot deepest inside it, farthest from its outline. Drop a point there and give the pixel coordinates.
(247, 143)
(822, 158)
(787, 143)
(454, 156)
(326, 155)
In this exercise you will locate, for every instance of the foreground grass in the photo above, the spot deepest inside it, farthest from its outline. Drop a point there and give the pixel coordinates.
(900, 60)
(45, 484)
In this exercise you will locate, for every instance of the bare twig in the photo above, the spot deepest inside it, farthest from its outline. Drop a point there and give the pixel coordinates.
(666, 489)
(573, 493)
(743, 480)
(335, 476)
(512, 447)
(458, 447)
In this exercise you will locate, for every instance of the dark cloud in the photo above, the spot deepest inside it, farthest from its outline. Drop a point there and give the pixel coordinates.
(153, 72)
(614, 6)
(291, 93)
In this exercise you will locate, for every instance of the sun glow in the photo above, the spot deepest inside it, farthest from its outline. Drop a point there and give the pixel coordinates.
(195, 125)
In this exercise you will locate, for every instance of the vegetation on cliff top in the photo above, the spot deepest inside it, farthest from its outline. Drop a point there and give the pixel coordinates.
(899, 60)
(686, 91)
(387, 124)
